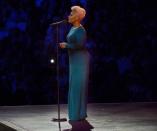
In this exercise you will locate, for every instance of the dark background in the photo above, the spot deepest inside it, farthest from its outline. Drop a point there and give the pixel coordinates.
(121, 40)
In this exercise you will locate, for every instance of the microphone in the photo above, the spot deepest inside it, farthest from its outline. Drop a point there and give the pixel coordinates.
(59, 22)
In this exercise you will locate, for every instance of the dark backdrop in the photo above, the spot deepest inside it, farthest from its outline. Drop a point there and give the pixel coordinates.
(121, 41)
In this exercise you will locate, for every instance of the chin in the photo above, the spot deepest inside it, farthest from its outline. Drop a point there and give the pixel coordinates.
(70, 22)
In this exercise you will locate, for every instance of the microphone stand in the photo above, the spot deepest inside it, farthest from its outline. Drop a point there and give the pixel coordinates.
(58, 90)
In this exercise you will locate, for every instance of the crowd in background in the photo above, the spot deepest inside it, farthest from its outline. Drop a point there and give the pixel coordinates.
(121, 41)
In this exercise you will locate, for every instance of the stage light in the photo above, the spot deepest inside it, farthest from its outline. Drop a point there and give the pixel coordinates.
(52, 61)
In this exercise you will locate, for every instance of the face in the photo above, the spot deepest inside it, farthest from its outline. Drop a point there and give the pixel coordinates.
(73, 17)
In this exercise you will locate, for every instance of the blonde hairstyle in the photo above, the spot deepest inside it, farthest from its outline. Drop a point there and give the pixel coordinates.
(80, 11)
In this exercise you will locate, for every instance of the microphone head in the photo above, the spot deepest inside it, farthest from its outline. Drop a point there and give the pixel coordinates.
(65, 20)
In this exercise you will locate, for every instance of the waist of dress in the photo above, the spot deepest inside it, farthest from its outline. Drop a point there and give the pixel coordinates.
(78, 53)
(78, 49)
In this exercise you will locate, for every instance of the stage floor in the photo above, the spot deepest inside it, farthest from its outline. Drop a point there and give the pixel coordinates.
(103, 117)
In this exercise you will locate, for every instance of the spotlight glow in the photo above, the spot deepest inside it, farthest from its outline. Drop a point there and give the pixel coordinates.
(52, 61)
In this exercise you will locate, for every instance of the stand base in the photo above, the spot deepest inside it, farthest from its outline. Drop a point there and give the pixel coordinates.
(59, 120)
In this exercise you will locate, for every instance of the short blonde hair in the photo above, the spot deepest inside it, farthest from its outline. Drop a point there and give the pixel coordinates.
(80, 11)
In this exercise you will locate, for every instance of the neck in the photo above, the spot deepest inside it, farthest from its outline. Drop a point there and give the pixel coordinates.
(76, 24)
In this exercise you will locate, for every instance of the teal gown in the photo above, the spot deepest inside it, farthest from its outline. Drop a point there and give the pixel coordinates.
(78, 73)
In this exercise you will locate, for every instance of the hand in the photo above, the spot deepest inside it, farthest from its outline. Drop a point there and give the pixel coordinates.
(62, 45)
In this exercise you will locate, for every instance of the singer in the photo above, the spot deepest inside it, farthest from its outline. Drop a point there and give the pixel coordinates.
(78, 65)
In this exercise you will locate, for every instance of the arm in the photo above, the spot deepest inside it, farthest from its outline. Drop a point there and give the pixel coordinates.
(80, 38)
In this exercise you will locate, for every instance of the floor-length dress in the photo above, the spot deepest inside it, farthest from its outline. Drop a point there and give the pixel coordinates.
(78, 73)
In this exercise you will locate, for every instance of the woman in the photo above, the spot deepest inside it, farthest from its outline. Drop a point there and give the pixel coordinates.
(78, 65)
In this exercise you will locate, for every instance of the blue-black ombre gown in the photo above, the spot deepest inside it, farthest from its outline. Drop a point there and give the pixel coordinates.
(78, 73)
